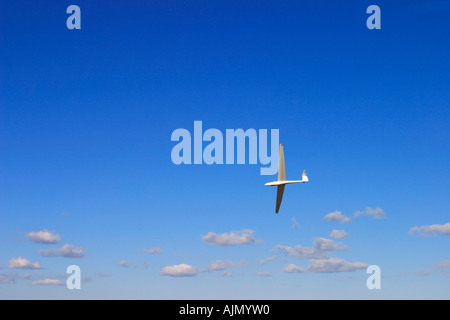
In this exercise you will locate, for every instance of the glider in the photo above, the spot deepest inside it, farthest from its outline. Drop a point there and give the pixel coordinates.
(282, 182)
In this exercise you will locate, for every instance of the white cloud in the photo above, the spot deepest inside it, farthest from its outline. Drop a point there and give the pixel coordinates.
(443, 264)
(67, 251)
(124, 263)
(48, 282)
(337, 216)
(431, 229)
(292, 268)
(422, 273)
(179, 270)
(323, 244)
(302, 252)
(8, 278)
(229, 239)
(295, 224)
(328, 265)
(267, 260)
(152, 250)
(376, 213)
(22, 263)
(264, 274)
(44, 236)
(223, 264)
(338, 234)
(321, 248)
(11, 277)
(227, 274)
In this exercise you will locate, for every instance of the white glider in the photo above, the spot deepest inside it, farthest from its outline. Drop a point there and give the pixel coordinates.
(282, 182)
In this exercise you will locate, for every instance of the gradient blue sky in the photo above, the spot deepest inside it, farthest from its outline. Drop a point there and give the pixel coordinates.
(86, 118)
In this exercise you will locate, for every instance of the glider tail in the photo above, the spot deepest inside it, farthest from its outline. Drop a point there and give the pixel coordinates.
(304, 177)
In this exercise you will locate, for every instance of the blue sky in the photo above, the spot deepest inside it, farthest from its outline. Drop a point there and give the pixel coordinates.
(86, 118)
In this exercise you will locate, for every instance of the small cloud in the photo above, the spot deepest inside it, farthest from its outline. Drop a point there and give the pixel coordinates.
(337, 216)
(27, 276)
(324, 244)
(124, 263)
(22, 263)
(103, 274)
(328, 265)
(295, 224)
(222, 265)
(443, 264)
(376, 213)
(48, 282)
(302, 252)
(152, 250)
(227, 274)
(338, 234)
(431, 230)
(44, 236)
(267, 260)
(422, 273)
(444, 267)
(8, 278)
(264, 274)
(229, 239)
(179, 270)
(292, 268)
(66, 251)
(321, 249)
